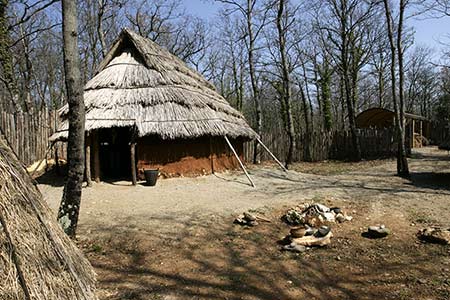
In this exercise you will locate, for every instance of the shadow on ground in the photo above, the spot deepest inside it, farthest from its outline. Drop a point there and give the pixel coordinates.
(216, 260)
(53, 177)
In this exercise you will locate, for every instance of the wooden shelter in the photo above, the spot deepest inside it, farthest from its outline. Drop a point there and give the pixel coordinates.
(145, 104)
(37, 259)
(417, 127)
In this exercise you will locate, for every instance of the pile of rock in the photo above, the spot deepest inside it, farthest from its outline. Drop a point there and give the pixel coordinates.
(246, 219)
(314, 215)
(313, 221)
(435, 235)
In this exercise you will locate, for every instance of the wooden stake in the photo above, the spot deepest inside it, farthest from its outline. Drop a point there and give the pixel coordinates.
(271, 154)
(133, 163)
(239, 160)
(211, 155)
(88, 159)
(96, 146)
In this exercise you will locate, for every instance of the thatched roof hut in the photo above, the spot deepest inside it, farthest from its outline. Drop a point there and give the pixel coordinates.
(144, 94)
(37, 260)
(141, 84)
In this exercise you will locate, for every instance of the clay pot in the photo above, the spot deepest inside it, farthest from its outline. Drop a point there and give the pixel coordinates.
(298, 232)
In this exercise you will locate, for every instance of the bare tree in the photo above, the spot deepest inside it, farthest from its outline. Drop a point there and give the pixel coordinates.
(250, 11)
(399, 107)
(71, 199)
(286, 93)
(347, 28)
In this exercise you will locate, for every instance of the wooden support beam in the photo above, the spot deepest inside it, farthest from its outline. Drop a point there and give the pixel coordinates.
(96, 148)
(133, 162)
(88, 159)
(211, 155)
(271, 154)
(421, 133)
(239, 160)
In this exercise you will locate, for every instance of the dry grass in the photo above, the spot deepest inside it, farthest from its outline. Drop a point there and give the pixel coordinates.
(37, 260)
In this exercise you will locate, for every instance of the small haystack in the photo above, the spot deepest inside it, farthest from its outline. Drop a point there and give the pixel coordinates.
(37, 260)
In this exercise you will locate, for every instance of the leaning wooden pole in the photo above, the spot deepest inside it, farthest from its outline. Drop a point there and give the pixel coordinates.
(88, 159)
(239, 160)
(271, 154)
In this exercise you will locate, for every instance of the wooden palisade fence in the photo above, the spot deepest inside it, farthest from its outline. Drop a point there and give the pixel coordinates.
(323, 145)
(28, 134)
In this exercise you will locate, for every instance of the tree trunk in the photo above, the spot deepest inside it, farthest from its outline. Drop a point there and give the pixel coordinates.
(325, 86)
(70, 203)
(251, 65)
(6, 61)
(402, 162)
(306, 139)
(347, 84)
(286, 97)
(100, 33)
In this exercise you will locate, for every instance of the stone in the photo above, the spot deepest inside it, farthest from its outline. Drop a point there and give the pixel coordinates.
(322, 231)
(377, 231)
(252, 223)
(435, 235)
(294, 248)
(340, 218)
(310, 240)
(249, 217)
(336, 210)
(310, 230)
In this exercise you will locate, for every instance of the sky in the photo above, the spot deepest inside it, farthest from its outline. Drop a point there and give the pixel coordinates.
(427, 31)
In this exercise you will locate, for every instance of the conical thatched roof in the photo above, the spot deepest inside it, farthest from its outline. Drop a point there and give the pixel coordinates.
(37, 260)
(139, 83)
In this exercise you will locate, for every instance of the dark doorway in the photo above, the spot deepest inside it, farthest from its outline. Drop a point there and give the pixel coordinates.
(115, 153)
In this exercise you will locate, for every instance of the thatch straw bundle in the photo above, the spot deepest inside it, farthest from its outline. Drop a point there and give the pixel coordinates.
(141, 84)
(37, 260)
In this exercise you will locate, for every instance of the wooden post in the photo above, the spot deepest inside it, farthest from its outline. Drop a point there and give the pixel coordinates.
(88, 159)
(271, 154)
(133, 162)
(239, 160)
(412, 133)
(96, 147)
(211, 154)
(421, 133)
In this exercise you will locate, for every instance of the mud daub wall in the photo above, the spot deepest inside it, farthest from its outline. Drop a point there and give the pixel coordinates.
(186, 157)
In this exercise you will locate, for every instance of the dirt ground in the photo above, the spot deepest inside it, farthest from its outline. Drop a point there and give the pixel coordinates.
(177, 240)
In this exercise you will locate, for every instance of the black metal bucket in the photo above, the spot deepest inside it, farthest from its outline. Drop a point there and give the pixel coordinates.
(151, 176)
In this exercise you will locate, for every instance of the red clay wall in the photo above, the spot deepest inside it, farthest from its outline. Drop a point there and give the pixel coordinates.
(186, 157)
